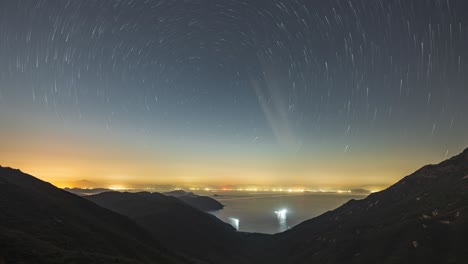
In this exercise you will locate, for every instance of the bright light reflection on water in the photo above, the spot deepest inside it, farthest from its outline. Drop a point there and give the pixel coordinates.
(257, 211)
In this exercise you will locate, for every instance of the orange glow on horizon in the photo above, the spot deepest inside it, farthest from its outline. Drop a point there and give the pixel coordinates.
(72, 161)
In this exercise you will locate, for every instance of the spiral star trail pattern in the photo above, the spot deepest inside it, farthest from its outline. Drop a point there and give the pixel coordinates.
(228, 92)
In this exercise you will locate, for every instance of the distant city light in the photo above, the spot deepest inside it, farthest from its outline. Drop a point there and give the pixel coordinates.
(117, 188)
(267, 189)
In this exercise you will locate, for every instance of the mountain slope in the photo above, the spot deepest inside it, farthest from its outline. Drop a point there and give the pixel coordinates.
(177, 225)
(203, 203)
(40, 223)
(421, 219)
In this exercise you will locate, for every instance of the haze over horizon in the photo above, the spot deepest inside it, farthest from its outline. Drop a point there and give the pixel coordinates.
(336, 94)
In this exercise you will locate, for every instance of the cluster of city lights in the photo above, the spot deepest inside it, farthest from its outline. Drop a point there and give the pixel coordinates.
(239, 189)
(288, 190)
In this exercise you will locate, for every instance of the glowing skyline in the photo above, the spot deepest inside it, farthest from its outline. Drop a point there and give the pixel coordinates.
(270, 93)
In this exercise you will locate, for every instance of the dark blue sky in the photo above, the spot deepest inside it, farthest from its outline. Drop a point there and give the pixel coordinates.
(314, 87)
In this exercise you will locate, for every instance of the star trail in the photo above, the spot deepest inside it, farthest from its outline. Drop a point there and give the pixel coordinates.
(299, 92)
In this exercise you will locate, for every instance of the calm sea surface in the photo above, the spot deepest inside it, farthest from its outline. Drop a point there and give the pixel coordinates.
(256, 212)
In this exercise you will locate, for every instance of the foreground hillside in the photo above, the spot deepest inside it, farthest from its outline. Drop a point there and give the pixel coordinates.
(421, 219)
(177, 225)
(40, 223)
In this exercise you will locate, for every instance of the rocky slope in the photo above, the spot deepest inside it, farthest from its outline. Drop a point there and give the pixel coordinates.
(40, 223)
(421, 219)
(177, 225)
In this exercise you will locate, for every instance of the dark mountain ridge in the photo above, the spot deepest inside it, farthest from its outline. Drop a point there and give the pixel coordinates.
(203, 203)
(423, 218)
(40, 223)
(177, 225)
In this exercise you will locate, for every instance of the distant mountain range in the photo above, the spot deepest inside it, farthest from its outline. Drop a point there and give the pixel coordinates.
(86, 191)
(85, 184)
(202, 203)
(40, 223)
(421, 219)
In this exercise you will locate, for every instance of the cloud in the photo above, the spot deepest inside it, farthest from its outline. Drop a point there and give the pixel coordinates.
(274, 106)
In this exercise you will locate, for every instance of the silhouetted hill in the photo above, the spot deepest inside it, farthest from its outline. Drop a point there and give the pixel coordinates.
(421, 219)
(40, 223)
(86, 191)
(177, 225)
(202, 203)
(360, 191)
(179, 193)
(86, 184)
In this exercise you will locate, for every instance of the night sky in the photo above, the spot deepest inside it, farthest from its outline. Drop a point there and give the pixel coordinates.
(300, 92)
